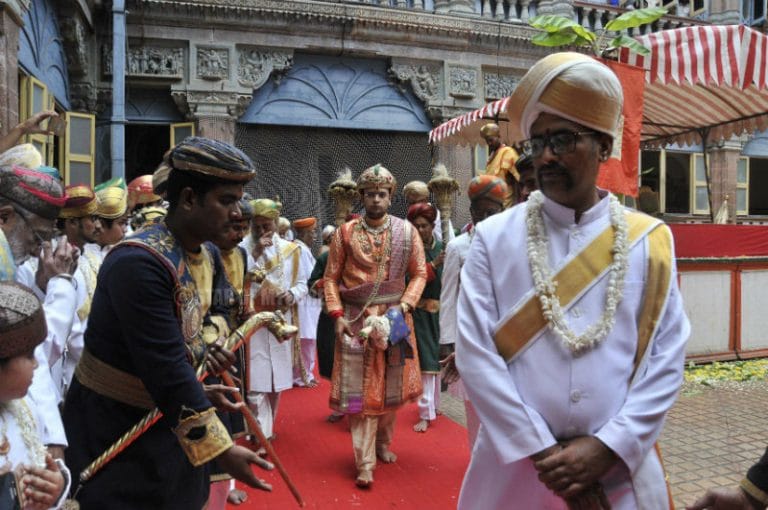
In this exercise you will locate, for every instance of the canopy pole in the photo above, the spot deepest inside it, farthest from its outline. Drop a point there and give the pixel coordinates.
(704, 133)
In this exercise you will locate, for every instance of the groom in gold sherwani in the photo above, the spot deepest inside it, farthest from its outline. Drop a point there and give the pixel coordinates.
(368, 260)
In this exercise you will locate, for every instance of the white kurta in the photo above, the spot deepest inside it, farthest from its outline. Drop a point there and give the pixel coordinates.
(270, 363)
(546, 394)
(309, 306)
(455, 255)
(59, 303)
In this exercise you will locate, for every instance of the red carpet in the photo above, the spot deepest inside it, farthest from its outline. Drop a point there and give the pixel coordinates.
(318, 457)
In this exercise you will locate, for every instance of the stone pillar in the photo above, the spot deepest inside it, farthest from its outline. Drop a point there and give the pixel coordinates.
(10, 27)
(723, 160)
(442, 6)
(724, 12)
(215, 113)
(462, 6)
(559, 7)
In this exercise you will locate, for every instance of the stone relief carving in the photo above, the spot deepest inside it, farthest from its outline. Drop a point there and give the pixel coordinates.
(83, 97)
(205, 102)
(255, 65)
(149, 61)
(498, 86)
(425, 79)
(213, 63)
(463, 82)
(75, 39)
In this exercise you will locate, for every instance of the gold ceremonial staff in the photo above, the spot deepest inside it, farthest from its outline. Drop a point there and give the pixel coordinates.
(443, 187)
(274, 321)
(343, 192)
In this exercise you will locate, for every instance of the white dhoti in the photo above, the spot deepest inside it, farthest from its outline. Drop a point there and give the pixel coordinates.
(429, 402)
(264, 407)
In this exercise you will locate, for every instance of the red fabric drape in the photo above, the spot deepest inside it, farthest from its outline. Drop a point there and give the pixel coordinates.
(707, 240)
(620, 175)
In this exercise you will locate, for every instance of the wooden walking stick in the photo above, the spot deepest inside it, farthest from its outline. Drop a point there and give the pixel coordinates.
(254, 426)
(276, 324)
(443, 187)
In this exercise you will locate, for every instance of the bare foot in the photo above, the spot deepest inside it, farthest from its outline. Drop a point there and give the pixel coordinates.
(421, 426)
(261, 451)
(364, 479)
(334, 417)
(386, 455)
(312, 384)
(236, 496)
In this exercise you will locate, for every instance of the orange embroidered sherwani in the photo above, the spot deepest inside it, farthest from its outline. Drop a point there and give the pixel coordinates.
(501, 164)
(350, 280)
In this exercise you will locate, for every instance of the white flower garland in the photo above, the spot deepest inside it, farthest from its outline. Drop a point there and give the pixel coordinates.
(545, 286)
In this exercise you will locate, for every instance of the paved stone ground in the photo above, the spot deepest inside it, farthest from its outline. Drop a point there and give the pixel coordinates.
(712, 435)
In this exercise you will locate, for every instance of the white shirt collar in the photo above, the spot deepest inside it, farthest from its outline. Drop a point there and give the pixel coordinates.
(564, 216)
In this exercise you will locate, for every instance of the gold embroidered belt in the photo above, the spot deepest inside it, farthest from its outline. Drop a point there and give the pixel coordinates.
(112, 382)
(429, 305)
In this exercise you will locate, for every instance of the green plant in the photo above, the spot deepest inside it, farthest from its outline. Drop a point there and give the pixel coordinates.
(561, 31)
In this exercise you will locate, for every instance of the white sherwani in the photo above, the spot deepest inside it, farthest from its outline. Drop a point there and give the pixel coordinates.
(270, 363)
(455, 255)
(546, 394)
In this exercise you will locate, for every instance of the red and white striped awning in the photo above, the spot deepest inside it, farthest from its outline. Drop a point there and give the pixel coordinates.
(465, 130)
(713, 77)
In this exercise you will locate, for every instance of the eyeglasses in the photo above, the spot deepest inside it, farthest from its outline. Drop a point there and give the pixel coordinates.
(561, 142)
(41, 235)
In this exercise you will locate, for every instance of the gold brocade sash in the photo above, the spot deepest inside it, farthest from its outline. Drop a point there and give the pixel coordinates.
(581, 272)
(112, 382)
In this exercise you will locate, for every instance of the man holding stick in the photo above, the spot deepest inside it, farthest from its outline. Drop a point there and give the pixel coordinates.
(145, 337)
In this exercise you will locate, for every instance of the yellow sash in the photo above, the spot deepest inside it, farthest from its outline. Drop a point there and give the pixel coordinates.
(515, 333)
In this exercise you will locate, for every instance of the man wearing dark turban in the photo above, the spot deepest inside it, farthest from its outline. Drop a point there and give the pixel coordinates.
(426, 315)
(153, 320)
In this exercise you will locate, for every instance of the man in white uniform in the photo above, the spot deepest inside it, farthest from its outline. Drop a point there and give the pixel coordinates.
(486, 195)
(309, 308)
(279, 284)
(571, 350)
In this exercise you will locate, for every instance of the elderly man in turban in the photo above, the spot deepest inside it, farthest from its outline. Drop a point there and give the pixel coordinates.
(501, 160)
(152, 324)
(417, 192)
(365, 280)
(571, 353)
(30, 202)
(426, 315)
(309, 307)
(486, 197)
(278, 282)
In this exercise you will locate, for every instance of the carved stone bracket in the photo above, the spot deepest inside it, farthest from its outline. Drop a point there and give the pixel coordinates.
(255, 65)
(83, 97)
(75, 40)
(463, 82)
(148, 62)
(194, 103)
(498, 85)
(212, 63)
(426, 78)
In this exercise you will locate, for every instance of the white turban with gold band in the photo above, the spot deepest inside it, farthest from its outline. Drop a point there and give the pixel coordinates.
(570, 85)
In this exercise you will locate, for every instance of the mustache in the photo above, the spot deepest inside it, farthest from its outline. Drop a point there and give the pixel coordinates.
(553, 167)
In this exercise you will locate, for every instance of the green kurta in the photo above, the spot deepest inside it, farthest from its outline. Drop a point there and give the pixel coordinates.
(427, 324)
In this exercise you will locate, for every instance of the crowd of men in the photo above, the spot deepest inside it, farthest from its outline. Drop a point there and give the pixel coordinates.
(554, 314)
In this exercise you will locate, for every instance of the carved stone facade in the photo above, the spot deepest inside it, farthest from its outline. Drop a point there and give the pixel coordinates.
(149, 61)
(255, 65)
(497, 85)
(212, 63)
(426, 78)
(463, 81)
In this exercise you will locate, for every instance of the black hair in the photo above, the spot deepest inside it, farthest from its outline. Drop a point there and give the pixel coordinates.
(178, 180)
